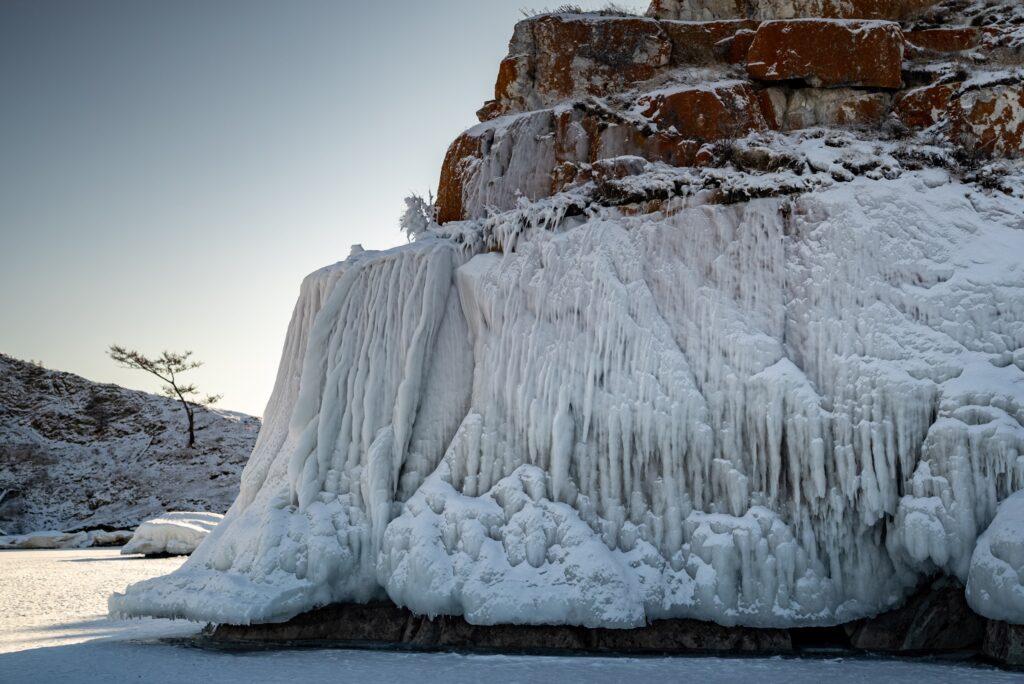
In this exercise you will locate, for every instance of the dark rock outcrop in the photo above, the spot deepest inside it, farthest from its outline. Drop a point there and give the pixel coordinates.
(934, 621)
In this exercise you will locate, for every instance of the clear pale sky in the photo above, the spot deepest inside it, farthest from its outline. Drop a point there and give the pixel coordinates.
(169, 171)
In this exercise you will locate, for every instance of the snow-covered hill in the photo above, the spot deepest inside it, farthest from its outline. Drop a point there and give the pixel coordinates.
(79, 455)
(719, 319)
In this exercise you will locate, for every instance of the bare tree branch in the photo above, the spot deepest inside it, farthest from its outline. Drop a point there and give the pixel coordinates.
(167, 367)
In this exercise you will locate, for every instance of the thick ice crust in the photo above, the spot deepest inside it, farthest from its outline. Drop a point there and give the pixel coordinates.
(177, 533)
(773, 413)
(995, 584)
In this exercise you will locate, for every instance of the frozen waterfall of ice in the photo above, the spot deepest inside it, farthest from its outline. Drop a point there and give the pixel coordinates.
(773, 413)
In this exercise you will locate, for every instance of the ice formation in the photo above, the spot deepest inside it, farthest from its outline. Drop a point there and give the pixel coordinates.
(776, 412)
(176, 533)
(654, 364)
(995, 584)
(55, 539)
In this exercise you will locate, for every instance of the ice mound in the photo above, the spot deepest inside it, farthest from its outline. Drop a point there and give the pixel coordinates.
(56, 539)
(995, 584)
(776, 412)
(176, 533)
(46, 539)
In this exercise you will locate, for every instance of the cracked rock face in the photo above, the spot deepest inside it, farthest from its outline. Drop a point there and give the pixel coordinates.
(557, 57)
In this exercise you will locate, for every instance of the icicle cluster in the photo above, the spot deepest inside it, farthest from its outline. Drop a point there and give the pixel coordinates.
(778, 412)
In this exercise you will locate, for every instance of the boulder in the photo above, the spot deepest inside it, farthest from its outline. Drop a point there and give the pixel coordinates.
(556, 57)
(989, 120)
(896, 10)
(824, 52)
(954, 39)
(925, 106)
(706, 42)
(707, 113)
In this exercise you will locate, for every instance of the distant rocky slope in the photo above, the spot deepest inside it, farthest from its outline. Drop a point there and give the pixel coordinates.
(80, 455)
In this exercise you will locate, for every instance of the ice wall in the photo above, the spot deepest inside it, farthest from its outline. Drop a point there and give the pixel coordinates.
(776, 412)
(374, 381)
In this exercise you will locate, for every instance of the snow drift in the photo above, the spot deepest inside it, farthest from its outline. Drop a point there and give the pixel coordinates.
(176, 533)
(775, 412)
(55, 539)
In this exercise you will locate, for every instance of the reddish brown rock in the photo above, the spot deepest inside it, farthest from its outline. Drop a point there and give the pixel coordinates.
(704, 42)
(454, 170)
(823, 52)
(925, 106)
(739, 48)
(895, 10)
(555, 57)
(945, 39)
(989, 120)
(707, 113)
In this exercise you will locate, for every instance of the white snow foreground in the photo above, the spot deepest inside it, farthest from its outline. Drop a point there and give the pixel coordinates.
(176, 533)
(773, 413)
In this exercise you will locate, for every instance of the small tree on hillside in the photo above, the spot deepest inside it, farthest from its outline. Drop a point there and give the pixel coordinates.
(168, 366)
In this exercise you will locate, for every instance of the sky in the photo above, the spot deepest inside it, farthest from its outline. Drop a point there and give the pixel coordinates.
(169, 171)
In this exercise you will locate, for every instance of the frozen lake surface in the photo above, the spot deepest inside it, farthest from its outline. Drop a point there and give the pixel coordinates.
(53, 628)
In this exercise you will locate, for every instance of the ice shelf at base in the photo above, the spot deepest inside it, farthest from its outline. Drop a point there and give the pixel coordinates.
(771, 413)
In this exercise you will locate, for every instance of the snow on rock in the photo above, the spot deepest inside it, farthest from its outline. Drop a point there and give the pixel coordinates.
(175, 533)
(79, 455)
(990, 119)
(553, 57)
(788, 9)
(46, 539)
(55, 539)
(995, 584)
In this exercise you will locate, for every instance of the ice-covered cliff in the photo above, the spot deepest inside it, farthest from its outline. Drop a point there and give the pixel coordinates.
(706, 330)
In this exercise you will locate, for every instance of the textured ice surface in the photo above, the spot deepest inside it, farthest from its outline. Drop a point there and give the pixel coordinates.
(776, 412)
(177, 533)
(995, 584)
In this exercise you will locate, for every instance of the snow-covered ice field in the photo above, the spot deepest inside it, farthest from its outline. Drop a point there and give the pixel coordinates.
(53, 628)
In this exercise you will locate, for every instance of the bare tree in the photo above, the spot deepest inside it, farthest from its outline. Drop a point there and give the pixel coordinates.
(168, 366)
